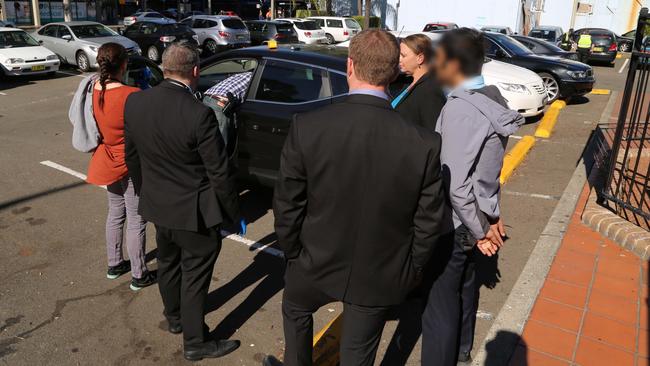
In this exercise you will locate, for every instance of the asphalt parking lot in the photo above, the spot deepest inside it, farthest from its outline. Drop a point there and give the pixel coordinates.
(58, 308)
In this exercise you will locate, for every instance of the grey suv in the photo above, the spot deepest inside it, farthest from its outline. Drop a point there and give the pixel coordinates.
(219, 32)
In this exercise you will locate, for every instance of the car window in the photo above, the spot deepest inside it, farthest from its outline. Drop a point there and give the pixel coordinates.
(285, 28)
(233, 23)
(49, 31)
(339, 84)
(153, 15)
(307, 25)
(490, 47)
(291, 83)
(511, 45)
(187, 21)
(174, 28)
(63, 31)
(148, 28)
(218, 71)
(320, 22)
(334, 23)
(92, 31)
(199, 23)
(351, 23)
(528, 44)
(212, 23)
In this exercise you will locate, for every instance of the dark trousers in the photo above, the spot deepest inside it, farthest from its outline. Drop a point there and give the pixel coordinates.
(450, 312)
(583, 54)
(361, 328)
(185, 263)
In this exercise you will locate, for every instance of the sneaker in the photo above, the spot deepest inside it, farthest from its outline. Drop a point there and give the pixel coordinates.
(147, 279)
(116, 271)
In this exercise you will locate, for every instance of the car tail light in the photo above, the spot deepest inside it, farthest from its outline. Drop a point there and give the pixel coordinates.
(307, 34)
(224, 34)
(134, 19)
(167, 39)
(612, 47)
(345, 33)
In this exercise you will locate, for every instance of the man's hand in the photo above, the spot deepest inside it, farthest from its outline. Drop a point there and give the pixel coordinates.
(487, 247)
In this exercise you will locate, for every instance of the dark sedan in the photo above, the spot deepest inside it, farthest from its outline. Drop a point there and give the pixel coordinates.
(263, 31)
(286, 80)
(626, 40)
(544, 48)
(153, 37)
(604, 44)
(563, 78)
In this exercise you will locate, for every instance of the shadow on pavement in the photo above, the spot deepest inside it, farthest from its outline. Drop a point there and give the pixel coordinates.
(505, 340)
(267, 268)
(16, 201)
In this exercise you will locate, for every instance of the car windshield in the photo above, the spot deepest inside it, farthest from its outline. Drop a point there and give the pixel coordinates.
(351, 23)
(92, 31)
(548, 35)
(512, 45)
(308, 25)
(233, 23)
(15, 39)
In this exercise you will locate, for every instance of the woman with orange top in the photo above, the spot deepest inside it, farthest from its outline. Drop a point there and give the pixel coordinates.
(108, 167)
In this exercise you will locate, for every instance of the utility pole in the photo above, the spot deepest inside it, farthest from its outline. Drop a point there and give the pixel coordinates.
(366, 19)
(576, 3)
(3, 10)
(272, 9)
(36, 13)
(67, 16)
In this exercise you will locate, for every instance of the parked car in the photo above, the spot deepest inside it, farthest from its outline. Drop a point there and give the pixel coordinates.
(218, 32)
(439, 26)
(604, 41)
(307, 30)
(547, 33)
(147, 16)
(626, 41)
(544, 48)
(154, 37)
(171, 13)
(7, 24)
(562, 78)
(263, 31)
(21, 54)
(523, 89)
(337, 29)
(497, 29)
(76, 43)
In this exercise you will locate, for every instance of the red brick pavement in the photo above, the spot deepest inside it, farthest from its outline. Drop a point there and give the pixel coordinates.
(593, 308)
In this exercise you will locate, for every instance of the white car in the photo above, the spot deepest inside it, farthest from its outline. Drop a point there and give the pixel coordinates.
(337, 29)
(146, 15)
(21, 54)
(523, 89)
(308, 30)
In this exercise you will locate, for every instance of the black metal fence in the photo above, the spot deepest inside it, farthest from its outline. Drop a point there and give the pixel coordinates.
(628, 176)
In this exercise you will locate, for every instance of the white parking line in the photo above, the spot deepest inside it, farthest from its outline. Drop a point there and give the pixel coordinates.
(1, 93)
(627, 60)
(532, 195)
(255, 246)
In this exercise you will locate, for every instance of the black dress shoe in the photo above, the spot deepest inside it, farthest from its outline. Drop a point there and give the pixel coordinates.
(271, 361)
(175, 328)
(210, 349)
(464, 358)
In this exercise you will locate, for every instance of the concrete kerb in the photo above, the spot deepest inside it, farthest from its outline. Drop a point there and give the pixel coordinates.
(515, 311)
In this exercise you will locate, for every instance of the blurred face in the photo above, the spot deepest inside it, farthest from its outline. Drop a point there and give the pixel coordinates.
(408, 60)
(445, 70)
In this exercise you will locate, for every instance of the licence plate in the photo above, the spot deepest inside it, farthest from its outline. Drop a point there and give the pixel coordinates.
(598, 49)
(38, 68)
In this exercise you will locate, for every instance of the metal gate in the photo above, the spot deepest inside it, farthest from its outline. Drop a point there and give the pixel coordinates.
(628, 175)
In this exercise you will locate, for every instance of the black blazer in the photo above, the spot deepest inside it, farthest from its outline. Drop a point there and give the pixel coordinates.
(423, 102)
(177, 160)
(359, 201)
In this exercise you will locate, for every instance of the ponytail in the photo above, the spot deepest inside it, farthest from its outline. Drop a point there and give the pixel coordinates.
(110, 57)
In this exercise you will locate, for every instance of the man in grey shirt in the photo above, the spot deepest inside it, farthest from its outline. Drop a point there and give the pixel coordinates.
(474, 125)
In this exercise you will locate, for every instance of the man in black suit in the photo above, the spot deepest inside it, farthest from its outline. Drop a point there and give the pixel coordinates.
(358, 206)
(176, 157)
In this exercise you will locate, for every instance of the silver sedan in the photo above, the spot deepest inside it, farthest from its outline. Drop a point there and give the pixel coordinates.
(76, 43)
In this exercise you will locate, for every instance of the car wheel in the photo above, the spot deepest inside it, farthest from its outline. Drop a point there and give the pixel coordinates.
(82, 61)
(330, 38)
(551, 85)
(211, 46)
(624, 47)
(153, 54)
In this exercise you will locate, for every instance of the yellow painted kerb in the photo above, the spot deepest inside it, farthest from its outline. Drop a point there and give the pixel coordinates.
(601, 92)
(515, 156)
(327, 342)
(546, 125)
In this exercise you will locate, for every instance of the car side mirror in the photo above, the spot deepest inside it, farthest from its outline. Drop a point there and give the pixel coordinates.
(40, 41)
(120, 31)
(500, 54)
(67, 37)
